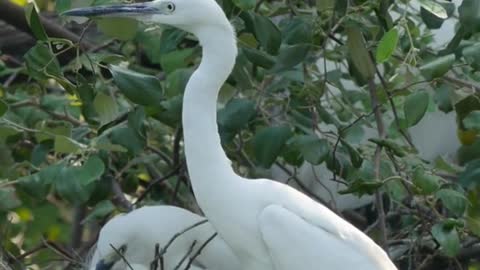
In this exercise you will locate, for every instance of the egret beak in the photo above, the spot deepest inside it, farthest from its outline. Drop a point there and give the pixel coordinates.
(114, 10)
(104, 265)
(107, 262)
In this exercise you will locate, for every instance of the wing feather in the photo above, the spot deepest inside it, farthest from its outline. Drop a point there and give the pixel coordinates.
(295, 243)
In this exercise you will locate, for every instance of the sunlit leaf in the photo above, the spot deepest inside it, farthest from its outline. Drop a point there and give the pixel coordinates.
(387, 45)
(434, 8)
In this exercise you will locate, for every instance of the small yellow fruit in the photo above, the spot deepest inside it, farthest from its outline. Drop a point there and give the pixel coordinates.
(21, 3)
(467, 137)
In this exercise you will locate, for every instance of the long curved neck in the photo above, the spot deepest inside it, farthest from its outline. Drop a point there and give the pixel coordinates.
(206, 160)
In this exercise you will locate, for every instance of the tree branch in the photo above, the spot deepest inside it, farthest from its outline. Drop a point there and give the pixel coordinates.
(15, 16)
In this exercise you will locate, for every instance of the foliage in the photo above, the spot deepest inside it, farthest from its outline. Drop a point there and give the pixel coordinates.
(82, 139)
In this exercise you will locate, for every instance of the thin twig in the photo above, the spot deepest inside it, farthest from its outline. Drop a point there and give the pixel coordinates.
(162, 155)
(301, 184)
(121, 256)
(156, 182)
(190, 250)
(200, 250)
(119, 197)
(463, 83)
(175, 236)
(79, 212)
(377, 162)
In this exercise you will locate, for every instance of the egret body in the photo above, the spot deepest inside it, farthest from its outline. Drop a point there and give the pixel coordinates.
(136, 234)
(267, 224)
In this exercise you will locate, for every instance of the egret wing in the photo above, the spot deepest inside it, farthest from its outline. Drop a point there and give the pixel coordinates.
(294, 243)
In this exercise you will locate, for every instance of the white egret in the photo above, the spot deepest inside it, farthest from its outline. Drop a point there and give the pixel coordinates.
(137, 233)
(267, 224)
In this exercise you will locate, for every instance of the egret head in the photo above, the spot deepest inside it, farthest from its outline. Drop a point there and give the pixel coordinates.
(189, 15)
(114, 242)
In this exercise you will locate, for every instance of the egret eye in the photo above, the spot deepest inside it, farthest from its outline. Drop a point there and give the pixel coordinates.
(122, 249)
(170, 7)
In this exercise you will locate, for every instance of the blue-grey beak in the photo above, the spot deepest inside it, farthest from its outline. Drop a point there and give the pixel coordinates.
(104, 265)
(114, 10)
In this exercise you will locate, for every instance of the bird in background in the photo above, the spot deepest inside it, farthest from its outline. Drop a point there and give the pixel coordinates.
(267, 224)
(136, 234)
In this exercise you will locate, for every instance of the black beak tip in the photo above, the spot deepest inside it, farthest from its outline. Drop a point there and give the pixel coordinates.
(101, 265)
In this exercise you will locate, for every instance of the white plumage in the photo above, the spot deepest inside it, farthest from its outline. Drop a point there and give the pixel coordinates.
(267, 224)
(140, 230)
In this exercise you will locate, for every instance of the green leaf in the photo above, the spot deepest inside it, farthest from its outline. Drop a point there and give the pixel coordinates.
(290, 56)
(128, 138)
(298, 31)
(437, 67)
(135, 121)
(268, 144)
(313, 149)
(3, 108)
(139, 88)
(91, 170)
(387, 45)
(470, 177)
(472, 55)
(472, 120)
(447, 238)
(361, 187)
(42, 63)
(355, 156)
(359, 53)
(453, 200)
(245, 4)
(390, 145)
(425, 182)
(431, 20)
(176, 59)
(108, 146)
(469, 12)
(38, 185)
(236, 114)
(268, 34)
(415, 107)
(106, 108)
(34, 22)
(324, 5)
(66, 145)
(259, 58)
(434, 8)
(120, 28)
(52, 128)
(176, 82)
(63, 5)
(8, 199)
(473, 212)
(100, 211)
(72, 182)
